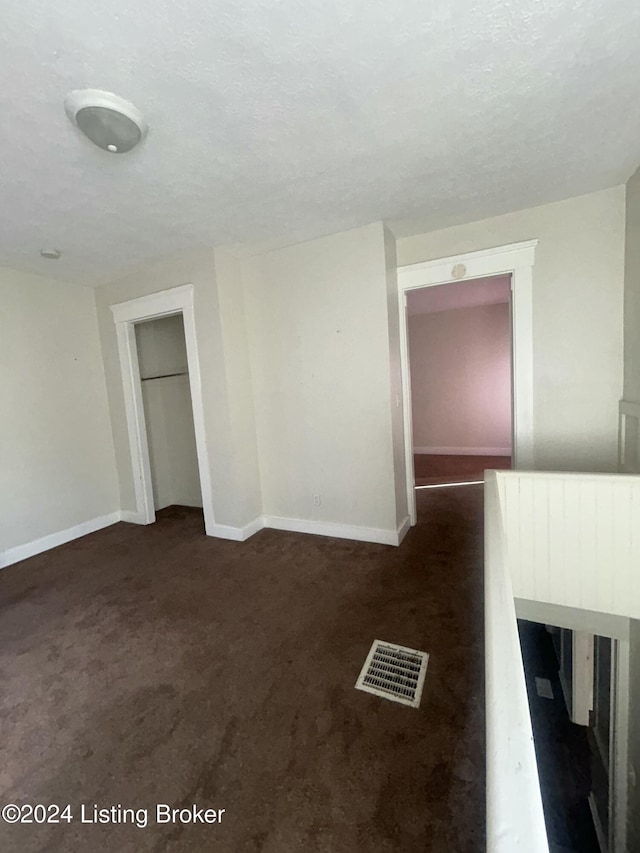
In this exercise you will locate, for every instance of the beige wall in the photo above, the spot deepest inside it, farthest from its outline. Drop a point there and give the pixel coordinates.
(632, 324)
(577, 318)
(295, 359)
(318, 319)
(632, 293)
(236, 500)
(57, 466)
(299, 358)
(632, 394)
(397, 421)
(242, 444)
(161, 346)
(162, 354)
(461, 379)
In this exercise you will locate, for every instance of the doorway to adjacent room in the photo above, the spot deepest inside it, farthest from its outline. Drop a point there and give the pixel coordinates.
(509, 388)
(459, 345)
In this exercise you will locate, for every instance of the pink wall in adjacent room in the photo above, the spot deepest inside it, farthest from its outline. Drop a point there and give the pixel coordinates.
(461, 379)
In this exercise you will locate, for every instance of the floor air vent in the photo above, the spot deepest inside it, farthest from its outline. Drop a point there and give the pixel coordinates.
(394, 672)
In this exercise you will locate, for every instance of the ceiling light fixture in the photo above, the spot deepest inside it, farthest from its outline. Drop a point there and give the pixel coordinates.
(110, 122)
(50, 254)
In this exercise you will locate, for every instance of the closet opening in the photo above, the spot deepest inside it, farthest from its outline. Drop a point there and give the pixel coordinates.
(168, 415)
(161, 383)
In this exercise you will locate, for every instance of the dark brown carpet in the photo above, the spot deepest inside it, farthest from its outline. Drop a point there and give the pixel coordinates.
(431, 469)
(155, 665)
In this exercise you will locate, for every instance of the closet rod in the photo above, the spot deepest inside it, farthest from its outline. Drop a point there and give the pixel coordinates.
(164, 376)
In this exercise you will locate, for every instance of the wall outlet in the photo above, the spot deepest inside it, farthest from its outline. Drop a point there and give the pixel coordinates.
(317, 500)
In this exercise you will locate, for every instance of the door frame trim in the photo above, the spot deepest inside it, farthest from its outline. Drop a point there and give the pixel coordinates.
(516, 259)
(175, 300)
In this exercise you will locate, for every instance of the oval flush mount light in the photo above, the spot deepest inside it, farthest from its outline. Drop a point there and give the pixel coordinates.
(51, 254)
(110, 122)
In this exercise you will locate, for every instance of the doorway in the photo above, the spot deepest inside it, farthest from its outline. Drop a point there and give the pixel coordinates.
(516, 261)
(459, 347)
(168, 412)
(177, 301)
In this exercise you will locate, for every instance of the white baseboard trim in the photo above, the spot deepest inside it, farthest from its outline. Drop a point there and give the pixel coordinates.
(132, 517)
(45, 543)
(464, 451)
(253, 527)
(326, 528)
(403, 528)
(317, 528)
(237, 534)
(223, 531)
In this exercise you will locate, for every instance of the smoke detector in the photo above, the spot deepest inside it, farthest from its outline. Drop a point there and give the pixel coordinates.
(110, 122)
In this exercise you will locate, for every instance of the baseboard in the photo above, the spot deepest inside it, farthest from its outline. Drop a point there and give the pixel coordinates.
(253, 527)
(300, 525)
(317, 528)
(237, 534)
(45, 543)
(403, 528)
(223, 531)
(464, 451)
(132, 517)
(341, 531)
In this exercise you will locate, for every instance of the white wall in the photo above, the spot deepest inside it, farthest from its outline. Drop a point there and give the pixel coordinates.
(632, 394)
(632, 292)
(319, 333)
(297, 378)
(57, 466)
(573, 539)
(161, 346)
(461, 379)
(236, 496)
(577, 318)
(162, 353)
(242, 444)
(396, 390)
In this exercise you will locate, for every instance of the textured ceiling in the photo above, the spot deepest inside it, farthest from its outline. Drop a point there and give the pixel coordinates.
(273, 122)
(459, 294)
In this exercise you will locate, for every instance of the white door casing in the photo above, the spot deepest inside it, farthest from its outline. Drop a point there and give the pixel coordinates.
(516, 259)
(176, 300)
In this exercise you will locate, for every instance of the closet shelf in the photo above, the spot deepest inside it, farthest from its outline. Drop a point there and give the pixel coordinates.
(163, 376)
